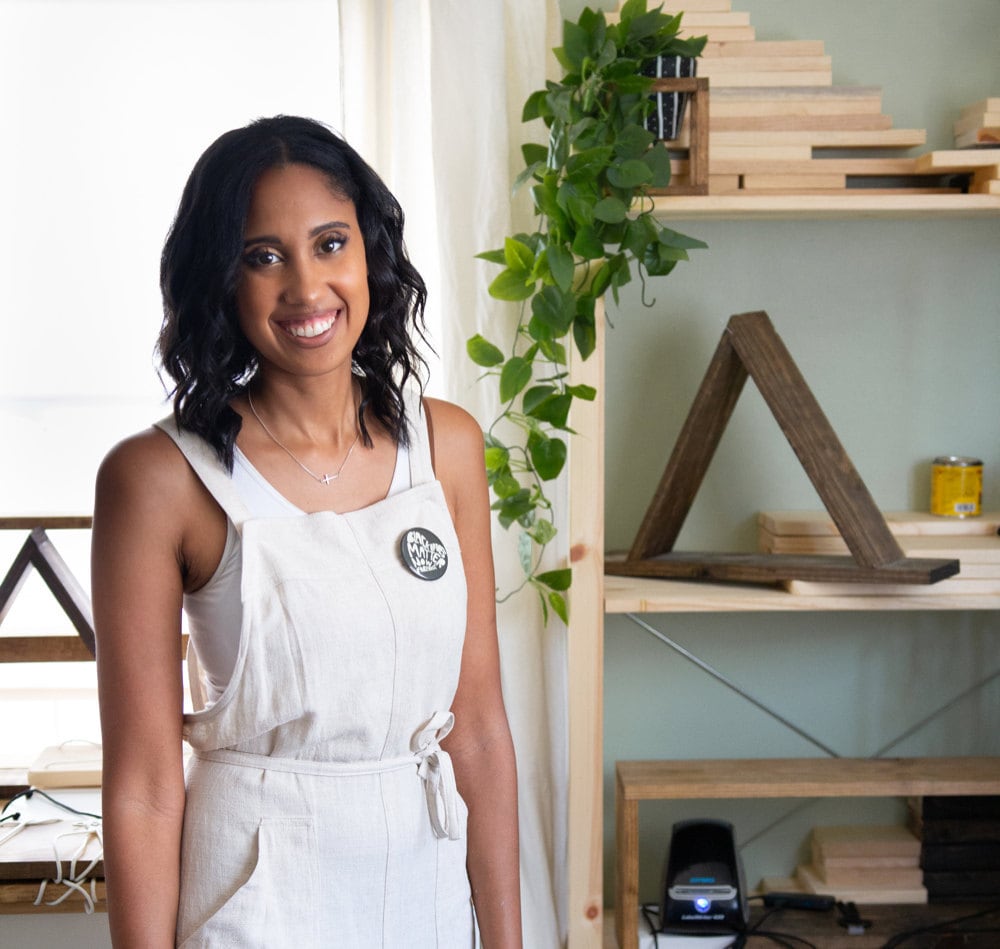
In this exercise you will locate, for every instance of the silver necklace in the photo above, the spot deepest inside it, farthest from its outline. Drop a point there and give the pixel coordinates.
(322, 479)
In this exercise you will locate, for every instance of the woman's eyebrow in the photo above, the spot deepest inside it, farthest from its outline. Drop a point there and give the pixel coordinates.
(319, 229)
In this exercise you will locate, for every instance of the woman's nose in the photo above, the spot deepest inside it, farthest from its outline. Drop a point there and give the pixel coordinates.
(305, 282)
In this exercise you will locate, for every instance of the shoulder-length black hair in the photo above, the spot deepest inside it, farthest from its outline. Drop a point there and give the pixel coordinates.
(201, 345)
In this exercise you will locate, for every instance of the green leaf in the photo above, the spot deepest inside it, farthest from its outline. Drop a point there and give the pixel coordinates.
(610, 210)
(631, 173)
(542, 531)
(548, 455)
(559, 607)
(560, 265)
(658, 159)
(587, 244)
(511, 285)
(676, 239)
(493, 256)
(513, 508)
(496, 458)
(505, 485)
(555, 308)
(556, 579)
(535, 396)
(554, 410)
(582, 391)
(633, 142)
(514, 376)
(535, 106)
(586, 165)
(524, 551)
(553, 351)
(585, 337)
(518, 255)
(576, 44)
(482, 352)
(532, 152)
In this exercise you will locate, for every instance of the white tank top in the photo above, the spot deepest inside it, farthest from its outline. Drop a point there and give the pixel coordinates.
(215, 612)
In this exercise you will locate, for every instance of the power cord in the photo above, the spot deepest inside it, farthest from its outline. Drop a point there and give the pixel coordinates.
(948, 926)
(29, 793)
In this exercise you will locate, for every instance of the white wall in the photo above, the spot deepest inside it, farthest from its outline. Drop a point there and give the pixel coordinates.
(107, 105)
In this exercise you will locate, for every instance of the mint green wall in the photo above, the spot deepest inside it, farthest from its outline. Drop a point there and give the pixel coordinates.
(896, 326)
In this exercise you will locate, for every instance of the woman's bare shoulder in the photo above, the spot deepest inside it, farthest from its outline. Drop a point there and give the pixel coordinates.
(147, 471)
(455, 434)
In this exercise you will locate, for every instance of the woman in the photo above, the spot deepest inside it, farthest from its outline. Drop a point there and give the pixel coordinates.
(326, 531)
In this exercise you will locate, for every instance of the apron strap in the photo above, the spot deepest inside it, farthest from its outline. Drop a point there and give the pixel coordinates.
(205, 462)
(421, 469)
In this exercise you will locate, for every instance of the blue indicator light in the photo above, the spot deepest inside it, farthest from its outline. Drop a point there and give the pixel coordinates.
(702, 905)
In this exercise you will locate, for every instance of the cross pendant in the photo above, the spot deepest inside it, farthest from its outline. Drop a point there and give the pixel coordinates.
(326, 479)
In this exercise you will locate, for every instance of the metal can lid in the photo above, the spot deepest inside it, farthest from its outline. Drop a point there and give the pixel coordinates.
(957, 461)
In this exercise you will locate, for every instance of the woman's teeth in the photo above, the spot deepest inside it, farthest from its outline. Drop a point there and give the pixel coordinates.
(309, 330)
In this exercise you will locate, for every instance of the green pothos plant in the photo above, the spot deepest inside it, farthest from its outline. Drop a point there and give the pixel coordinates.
(590, 186)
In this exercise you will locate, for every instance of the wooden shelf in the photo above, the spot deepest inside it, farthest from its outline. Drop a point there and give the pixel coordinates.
(807, 777)
(758, 778)
(641, 595)
(826, 206)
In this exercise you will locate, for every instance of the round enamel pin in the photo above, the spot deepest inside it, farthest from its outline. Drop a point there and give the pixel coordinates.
(423, 553)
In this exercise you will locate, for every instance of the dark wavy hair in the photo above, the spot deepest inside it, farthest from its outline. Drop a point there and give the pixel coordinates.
(201, 345)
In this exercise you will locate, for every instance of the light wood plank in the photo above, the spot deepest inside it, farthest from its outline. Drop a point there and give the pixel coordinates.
(824, 138)
(648, 595)
(720, 34)
(957, 160)
(751, 65)
(764, 48)
(901, 523)
(786, 123)
(852, 204)
(805, 78)
(808, 777)
(585, 647)
(817, 182)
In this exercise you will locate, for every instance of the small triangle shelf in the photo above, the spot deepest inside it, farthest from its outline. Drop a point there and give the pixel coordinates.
(750, 346)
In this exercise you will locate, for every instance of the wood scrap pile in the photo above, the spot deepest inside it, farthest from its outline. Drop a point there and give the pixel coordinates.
(974, 542)
(859, 864)
(778, 125)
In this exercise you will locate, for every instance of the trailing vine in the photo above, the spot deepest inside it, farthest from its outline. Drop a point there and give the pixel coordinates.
(590, 186)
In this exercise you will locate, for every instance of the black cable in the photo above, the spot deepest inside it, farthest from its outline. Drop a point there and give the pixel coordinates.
(27, 795)
(946, 926)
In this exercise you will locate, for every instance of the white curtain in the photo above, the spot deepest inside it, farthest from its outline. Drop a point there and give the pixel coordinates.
(432, 93)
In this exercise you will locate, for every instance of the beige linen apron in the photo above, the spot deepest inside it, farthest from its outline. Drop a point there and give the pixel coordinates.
(321, 810)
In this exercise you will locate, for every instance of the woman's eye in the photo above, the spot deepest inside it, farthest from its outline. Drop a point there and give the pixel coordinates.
(332, 243)
(260, 257)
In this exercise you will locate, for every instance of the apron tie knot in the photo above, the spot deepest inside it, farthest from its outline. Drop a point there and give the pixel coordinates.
(438, 774)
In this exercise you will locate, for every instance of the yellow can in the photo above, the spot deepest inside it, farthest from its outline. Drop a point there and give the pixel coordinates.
(956, 486)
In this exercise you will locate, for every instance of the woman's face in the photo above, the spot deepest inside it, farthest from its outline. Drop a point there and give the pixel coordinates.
(303, 294)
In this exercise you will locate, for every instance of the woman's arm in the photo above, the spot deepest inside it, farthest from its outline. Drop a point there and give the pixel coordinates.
(143, 491)
(480, 743)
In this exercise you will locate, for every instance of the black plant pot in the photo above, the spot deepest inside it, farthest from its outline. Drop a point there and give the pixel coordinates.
(668, 107)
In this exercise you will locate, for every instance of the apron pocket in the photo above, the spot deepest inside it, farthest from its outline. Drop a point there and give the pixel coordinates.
(276, 904)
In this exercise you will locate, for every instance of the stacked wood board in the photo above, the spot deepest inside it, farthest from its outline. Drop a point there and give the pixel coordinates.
(859, 864)
(774, 110)
(973, 541)
(979, 124)
(960, 846)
